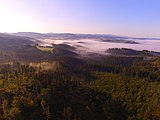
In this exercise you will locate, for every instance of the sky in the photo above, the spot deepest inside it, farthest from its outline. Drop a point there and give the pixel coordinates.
(138, 18)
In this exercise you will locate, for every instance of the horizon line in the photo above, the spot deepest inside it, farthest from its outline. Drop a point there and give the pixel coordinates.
(118, 35)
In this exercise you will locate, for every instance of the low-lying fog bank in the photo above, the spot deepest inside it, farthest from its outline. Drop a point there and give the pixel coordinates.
(97, 46)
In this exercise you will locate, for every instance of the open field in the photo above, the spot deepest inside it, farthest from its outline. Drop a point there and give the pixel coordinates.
(45, 49)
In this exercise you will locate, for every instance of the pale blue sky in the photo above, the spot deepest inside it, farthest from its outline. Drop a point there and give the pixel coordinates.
(121, 17)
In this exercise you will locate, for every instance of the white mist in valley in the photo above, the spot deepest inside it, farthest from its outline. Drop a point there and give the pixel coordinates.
(97, 46)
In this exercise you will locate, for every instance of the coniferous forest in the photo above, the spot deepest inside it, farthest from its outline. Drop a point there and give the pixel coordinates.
(72, 88)
(79, 59)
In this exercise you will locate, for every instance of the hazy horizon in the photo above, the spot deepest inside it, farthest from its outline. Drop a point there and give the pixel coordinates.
(125, 18)
(120, 35)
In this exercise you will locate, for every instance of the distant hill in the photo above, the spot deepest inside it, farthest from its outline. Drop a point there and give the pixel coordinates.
(20, 48)
(9, 42)
(131, 52)
(66, 35)
(77, 36)
(70, 36)
(17, 48)
(30, 35)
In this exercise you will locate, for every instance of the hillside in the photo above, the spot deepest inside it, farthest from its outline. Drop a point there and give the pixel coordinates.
(23, 49)
(107, 88)
(57, 83)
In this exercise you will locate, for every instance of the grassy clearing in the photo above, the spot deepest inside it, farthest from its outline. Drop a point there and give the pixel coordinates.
(44, 65)
(1, 82)
(45, 49)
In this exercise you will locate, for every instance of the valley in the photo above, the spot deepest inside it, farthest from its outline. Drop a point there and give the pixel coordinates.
(78, 79)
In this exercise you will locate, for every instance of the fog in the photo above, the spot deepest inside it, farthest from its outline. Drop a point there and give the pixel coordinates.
(97, 46)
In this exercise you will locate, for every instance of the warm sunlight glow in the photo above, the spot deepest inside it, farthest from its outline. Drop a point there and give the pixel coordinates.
(129, 18)
(13, 21)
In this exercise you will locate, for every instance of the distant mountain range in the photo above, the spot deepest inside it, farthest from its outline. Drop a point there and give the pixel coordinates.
(72, 36)
(22, 46)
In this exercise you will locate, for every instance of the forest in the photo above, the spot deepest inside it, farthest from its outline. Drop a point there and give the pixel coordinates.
(75, 88)
(79, 60)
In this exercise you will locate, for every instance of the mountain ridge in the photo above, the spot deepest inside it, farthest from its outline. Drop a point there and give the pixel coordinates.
(76, 36)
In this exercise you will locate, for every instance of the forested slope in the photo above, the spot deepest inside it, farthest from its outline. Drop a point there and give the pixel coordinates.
(110, 88)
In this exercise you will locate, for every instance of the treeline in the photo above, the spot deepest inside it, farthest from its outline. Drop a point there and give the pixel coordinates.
(109, 88)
